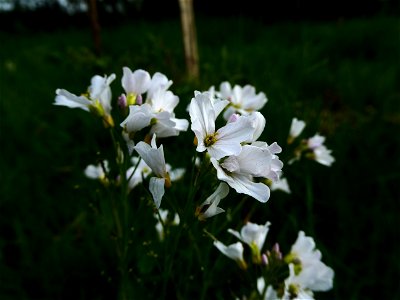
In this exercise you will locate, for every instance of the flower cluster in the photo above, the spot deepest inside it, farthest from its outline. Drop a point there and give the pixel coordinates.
(234, 149)
(305, 272)
(227, 126)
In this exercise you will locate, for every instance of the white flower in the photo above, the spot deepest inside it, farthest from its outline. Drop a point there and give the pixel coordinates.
(139, 117)
(154, 158)
(296, 288)
(308, 268)
(320, 153)
(135, 84)
(296, 128)
(315, 141)
(159, 82)
(323, 156)
(213, 201)
(282, 184)
(97, 171)
(157, 112)
(242, 183)
(97, 99)
(254, 160)
(163, 101)
(226, 140)
(233, 251)
(65, 98)
(166, 125)
(253, 235)
(243, 100)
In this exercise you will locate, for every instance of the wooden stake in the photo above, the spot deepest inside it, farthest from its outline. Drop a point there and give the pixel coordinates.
(95, 25)
(189, 38)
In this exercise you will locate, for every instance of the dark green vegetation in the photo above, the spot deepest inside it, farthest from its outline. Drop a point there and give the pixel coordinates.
(342, 78)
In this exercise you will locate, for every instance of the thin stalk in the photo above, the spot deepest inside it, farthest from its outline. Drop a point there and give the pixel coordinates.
(310, 203)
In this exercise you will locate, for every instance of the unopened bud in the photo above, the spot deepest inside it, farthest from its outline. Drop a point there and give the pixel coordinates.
(277, 252)
(264, 259)
(139, 99)
(233, 118)
(122, 102)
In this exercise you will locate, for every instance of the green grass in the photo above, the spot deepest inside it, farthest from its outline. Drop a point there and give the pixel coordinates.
(341, 78)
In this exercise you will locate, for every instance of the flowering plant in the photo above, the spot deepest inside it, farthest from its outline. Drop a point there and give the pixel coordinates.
(229, 159)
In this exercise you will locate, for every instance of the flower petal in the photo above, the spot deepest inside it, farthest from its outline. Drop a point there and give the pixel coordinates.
(156, 188)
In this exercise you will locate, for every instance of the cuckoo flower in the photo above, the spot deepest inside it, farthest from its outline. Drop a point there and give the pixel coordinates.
(256, 160)
(212, 202)
(164, 123)
(234, 251)
(226, 140)
(159, 82)
(320, 153)
(253, 235)
(307, 265)
(243, 100)
(135, 84)
(97, 99)
(296, 128)
(98, 171)
(281, 184)
(154, 158)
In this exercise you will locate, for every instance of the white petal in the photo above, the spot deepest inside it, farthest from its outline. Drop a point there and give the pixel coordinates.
(137, 82)
(68, 99)
(231, 164)
(315, 141)
(255, 161)
(258, 124)
(163, 101)
(243, 184)
(202, 116)
(139, 117)
(176, 174)
(281, 184)
(234, 251)
(225, 90)
(296, 127)
(180, 124)
(156, 188)
(214, 200)
(158, 82)
(230, 136)
(219, 106)
(153, 157)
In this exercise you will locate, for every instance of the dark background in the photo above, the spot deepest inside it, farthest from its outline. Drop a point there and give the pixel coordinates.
(50, 16)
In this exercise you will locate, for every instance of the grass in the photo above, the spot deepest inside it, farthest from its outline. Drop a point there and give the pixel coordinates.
(340, 77)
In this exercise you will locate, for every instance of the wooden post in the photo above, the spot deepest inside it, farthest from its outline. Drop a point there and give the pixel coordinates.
(189, 38)
(95, 25)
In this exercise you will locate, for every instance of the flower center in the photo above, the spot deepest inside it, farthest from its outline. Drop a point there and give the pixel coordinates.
(210, 139)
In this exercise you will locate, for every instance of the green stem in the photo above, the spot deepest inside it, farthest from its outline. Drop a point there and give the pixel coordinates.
(310, 203)
(121, 220)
